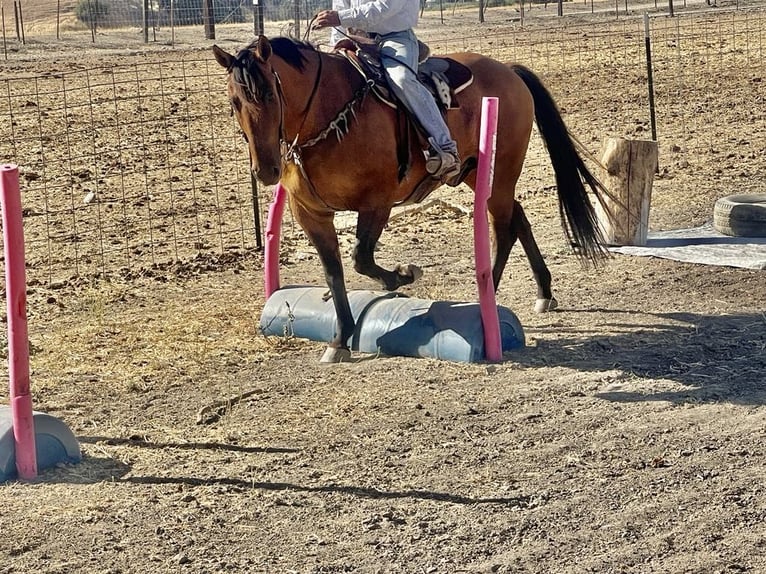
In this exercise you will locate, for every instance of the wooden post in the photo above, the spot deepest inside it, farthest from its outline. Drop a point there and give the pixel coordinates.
(628, 174)
(172, 23)
(93, 17)
(257, 18)
(21, 23)
(16, 18)
(208, 19)
(5, 43)
(146, 21)
(297, 18)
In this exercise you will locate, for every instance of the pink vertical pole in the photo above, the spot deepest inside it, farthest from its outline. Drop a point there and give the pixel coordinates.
(485, 172)
(273, 232)
(18, 344)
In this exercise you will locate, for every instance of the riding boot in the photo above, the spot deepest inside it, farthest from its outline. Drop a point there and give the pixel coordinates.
(442, 164)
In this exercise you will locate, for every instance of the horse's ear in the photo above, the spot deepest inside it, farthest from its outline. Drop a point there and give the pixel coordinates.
(223, 57)
(263, 48)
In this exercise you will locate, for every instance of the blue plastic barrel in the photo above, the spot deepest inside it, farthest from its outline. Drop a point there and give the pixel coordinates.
(390, 323)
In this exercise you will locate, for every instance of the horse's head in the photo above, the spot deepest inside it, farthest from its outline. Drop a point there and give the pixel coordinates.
(256, 101)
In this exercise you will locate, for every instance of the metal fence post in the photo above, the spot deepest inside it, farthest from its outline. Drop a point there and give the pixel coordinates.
(650, 75)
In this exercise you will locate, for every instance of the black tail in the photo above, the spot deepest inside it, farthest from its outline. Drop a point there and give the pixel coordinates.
(578, 216)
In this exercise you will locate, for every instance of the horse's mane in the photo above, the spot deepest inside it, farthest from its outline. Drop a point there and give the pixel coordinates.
(289, 49)
(248, 75)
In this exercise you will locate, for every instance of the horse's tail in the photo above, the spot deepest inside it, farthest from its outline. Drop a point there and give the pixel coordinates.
(578, 216)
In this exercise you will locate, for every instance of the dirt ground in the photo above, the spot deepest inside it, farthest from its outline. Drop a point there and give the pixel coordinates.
(628, 436)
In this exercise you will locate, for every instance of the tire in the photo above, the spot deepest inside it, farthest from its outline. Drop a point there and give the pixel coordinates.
(741, 215)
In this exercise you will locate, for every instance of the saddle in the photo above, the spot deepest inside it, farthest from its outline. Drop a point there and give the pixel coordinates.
(444, 77)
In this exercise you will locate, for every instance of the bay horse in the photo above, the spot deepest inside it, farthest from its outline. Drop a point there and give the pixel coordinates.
(311, 124)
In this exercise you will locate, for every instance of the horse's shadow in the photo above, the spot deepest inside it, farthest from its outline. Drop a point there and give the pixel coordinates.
(99, 469)
(217, 446)
(715, 358)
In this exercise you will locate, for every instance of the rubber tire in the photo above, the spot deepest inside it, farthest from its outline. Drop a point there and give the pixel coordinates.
(741, 215)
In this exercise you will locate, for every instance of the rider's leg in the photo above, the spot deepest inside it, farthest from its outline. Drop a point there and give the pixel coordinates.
(399, 54)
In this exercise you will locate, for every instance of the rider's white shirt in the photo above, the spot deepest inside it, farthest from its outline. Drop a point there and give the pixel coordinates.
(376, 16)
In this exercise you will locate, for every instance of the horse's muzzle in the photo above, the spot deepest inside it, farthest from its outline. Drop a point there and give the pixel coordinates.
(268, 175)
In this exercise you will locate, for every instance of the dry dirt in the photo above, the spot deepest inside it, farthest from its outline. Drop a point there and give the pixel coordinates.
(629, 436)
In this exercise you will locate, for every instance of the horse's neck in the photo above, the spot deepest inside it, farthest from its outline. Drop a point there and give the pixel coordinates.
(314, 96)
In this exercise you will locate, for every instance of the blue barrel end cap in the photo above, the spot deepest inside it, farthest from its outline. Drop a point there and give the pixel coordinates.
(54, 443)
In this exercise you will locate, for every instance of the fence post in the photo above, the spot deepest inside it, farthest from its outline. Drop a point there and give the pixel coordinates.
(172, 23)
(5, 43)
(650, 75)
(16, 19)
(257, 18)
(146, 21)
(297, 18)
(21, 24)
(208, 18)
(93, 17)
(256, 212)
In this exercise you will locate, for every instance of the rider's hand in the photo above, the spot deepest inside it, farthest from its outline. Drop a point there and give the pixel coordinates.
(326, 19)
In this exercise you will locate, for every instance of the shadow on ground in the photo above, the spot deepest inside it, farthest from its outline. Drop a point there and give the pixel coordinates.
(717, 358)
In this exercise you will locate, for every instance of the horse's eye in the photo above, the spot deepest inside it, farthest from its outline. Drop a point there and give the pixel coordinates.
(268, 97)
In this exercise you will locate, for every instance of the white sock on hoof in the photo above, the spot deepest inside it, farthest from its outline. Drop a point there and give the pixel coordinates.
(545, 305)
(333, 355)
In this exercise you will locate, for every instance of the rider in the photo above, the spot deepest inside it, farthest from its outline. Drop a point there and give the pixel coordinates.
(391, 22)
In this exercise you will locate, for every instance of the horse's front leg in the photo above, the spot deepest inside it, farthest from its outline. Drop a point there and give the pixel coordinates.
(369, 226)
(320, 230)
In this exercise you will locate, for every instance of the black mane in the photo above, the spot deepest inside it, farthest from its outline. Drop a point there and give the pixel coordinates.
(248, 75)
(289, 49)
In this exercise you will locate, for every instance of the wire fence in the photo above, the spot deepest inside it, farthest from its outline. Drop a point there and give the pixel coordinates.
(135, 163)
(121, 166)
(119, 23)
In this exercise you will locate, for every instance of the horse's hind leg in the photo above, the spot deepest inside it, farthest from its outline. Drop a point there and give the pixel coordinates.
(504, 238)
(369, 227)
(521, 228)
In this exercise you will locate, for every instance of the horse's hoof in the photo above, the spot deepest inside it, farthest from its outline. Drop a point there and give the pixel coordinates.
(410, 270)
(545, 305)
(333, 355)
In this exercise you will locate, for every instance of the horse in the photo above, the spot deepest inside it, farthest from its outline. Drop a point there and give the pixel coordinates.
(311, 124)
